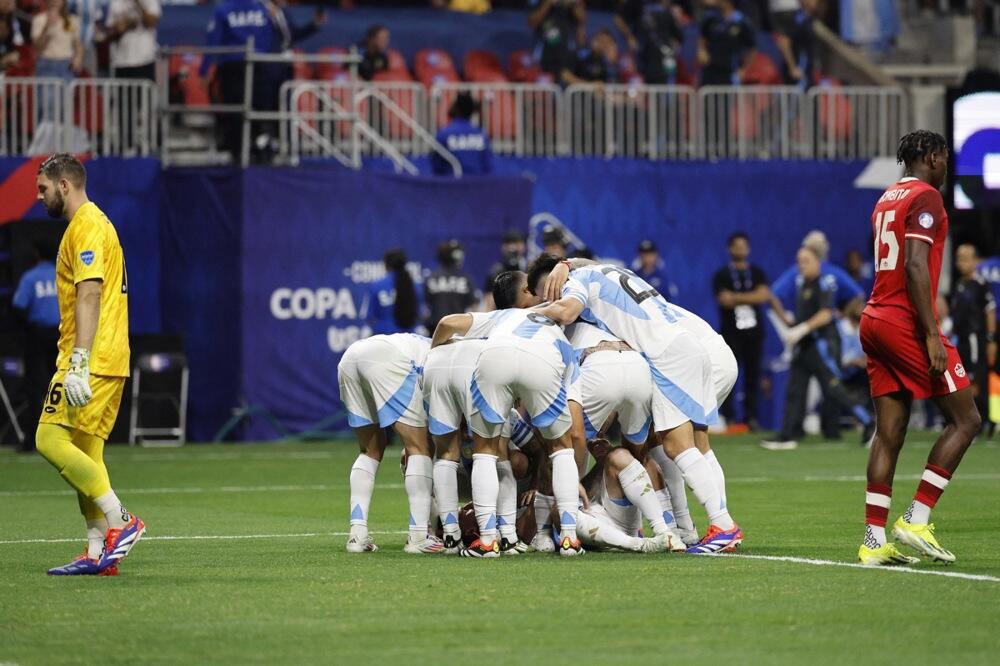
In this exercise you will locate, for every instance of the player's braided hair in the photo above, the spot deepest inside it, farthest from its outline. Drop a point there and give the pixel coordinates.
(64, 165)
(918, 144)
(506, 285)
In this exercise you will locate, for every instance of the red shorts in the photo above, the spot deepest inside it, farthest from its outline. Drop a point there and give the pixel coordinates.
(897, 361)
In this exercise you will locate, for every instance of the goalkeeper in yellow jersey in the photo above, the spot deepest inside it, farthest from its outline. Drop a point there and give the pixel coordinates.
(83, 398)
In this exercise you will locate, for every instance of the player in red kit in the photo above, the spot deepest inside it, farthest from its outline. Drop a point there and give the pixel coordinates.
(908, 358)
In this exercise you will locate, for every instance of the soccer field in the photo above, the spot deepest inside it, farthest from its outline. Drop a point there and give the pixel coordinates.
(244, 561)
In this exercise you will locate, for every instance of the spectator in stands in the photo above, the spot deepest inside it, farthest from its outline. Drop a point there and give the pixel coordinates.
(12, 34)
(449, 289)
(55, 35)
(234, 23)
(650, 267)
(871, 25)
(394, 302)
(36, 307)
(596, 64)
(465, 140)
(861, 271)
(727, 44)
(653, 34)
(741, 289)
(91, 13)
(554, 242)
(374, 52)
(797, 42)
(131, 29)
(467, 6)
(974, 322)
(512, 258)
(560, 29)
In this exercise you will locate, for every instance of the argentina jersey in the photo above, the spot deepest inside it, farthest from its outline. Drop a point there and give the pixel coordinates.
(545, 336)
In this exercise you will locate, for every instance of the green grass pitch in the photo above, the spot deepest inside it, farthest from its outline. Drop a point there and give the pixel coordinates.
(215, 582)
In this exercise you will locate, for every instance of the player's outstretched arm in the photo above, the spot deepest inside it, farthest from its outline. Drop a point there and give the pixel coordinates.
(450, 326)
(563, 311)
(918, 286)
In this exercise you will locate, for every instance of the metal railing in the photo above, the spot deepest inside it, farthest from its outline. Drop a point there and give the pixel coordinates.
(856, 123)
(97, 116)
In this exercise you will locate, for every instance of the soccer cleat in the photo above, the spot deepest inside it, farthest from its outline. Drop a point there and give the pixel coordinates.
(731, 548)
(479, 549)
(119, 542)
(429, 546)
(508, 547)
(452, 544)
(689, 537)
(717, 540)
(779, 444)
(920, 537)
(570, 547)
(358, 544)
(542, 543)
(886, 555)
(83, 566)
(670, 541)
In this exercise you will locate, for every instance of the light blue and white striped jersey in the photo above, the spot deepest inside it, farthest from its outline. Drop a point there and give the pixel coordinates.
(515, 324)
(618, 301)
(520, 430)
(92, 14)
(583, 335)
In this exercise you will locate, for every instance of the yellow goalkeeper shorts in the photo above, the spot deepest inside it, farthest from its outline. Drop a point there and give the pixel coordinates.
(97, 417)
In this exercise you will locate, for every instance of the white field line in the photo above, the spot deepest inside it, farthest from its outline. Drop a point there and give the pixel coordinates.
(767, 558)
(854, 565)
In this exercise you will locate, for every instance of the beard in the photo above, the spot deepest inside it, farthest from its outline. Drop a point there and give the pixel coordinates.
(56, 207)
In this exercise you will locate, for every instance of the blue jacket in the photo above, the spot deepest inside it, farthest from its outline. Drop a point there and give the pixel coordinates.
(36, 295)
(469, 144)
(381, 302)
(233, 23)
(847, 288)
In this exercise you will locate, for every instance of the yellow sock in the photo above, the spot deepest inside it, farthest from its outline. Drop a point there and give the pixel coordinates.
(55, 443)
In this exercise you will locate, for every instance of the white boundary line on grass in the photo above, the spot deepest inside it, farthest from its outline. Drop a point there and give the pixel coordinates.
(853, 565)
(742, 556)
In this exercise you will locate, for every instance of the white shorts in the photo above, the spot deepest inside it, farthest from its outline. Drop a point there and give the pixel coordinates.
(725, 369)
(379, 385)
(683, 389)
(622, 512)
(446, 384)
(616, 381)
(514, 369)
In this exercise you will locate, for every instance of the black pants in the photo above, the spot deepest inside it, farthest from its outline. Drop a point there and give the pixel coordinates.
(748, 348)
(972, 350)
(39, 365)
(812, 360)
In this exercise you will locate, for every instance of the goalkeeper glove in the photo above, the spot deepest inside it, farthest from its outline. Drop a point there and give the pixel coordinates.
(77, 381)
(795, 333)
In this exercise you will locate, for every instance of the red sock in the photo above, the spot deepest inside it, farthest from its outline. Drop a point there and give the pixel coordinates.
(932, 483)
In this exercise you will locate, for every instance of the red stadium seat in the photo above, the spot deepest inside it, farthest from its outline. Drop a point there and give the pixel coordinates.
(301, 70)
(762, 71)
(329, 71)
(431, 63)
(397, 62)
(392, 75)
(482, 66)
(185, 79)
(502, 112)
(88, 110)
(521, 66)
(440, 77)
(836, 117)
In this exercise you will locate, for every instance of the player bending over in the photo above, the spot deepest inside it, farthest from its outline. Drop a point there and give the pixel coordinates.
(617, 300)
(908, 358)
(82, 404)
(378, 379)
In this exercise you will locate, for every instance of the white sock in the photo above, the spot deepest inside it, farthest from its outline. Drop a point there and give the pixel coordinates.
(446, 493)
(932, 485)
(595, 532)
(507, 501)
(485, 488)
(639, 490)
(699, 478)
(362, 486)
(674, 482)
(419, 483)
(543, 511)
(720, 476)
(667, 508)
(96, 529)
(116, 514)
(565, 486)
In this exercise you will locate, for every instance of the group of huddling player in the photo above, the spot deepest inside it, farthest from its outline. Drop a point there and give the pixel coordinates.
(576, 353)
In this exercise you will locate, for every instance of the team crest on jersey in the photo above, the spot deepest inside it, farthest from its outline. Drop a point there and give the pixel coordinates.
(926, 220)
(87, 257)
(959, 370)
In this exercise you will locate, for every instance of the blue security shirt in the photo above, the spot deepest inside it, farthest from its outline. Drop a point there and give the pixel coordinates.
(36, 295)
(381, 302)
(233, 24)
(656, 278)
(470, 146)
(847, 288)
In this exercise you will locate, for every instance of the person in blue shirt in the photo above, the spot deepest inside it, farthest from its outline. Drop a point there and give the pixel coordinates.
(847, 289)
(35, 304)
(394, 302)
(649, 266)
(465, 140)
(234, 23)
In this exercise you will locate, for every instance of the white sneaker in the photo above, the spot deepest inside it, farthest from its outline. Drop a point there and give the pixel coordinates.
(542, 543)
(359, 544)
(779, 445)
(428, 546)
(452, 544)
(689, 537)
(671, 541)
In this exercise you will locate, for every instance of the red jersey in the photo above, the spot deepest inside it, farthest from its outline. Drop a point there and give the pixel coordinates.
(910, 209)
